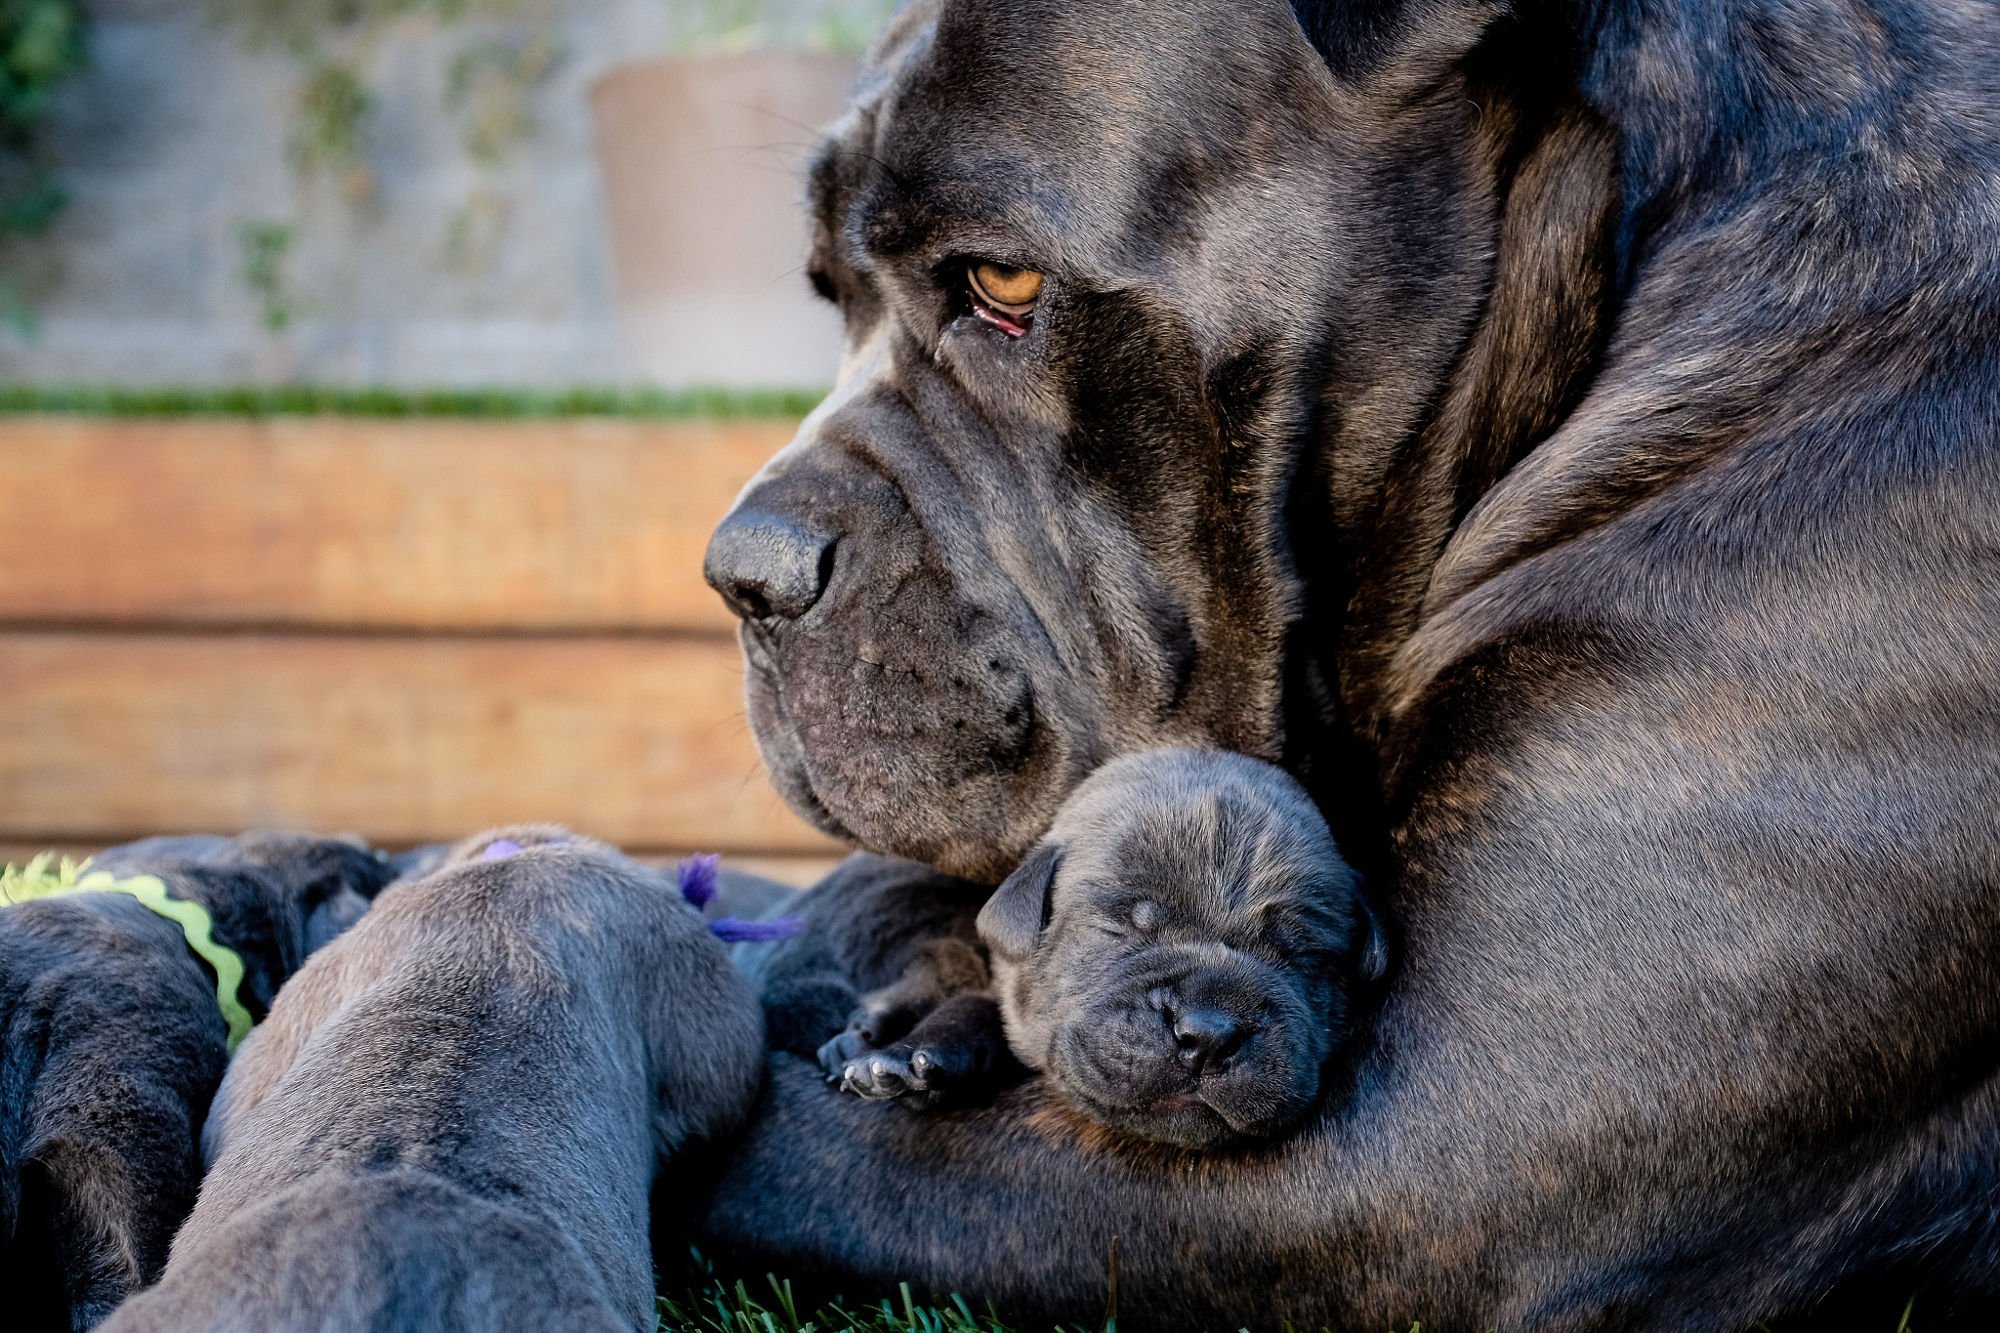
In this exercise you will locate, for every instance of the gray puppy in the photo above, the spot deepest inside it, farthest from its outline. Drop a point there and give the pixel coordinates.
(112, 1042)
(454, 1116)
(1177, 954)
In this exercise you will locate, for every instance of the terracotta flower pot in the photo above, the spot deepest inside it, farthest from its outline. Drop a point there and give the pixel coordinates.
(703, 159)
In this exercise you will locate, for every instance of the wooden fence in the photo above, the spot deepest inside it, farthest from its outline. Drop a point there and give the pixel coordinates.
(404, 629)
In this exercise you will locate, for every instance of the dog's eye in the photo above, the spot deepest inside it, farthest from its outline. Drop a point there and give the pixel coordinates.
(1002, 295)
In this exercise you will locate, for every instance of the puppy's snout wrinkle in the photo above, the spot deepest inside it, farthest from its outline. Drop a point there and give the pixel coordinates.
(768, 566)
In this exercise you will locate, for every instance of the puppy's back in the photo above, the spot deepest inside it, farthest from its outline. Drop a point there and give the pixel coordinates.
(381, 1251)
(505, 1048)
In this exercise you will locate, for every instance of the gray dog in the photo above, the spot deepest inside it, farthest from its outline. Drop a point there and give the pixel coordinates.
(453, 1117)
(112, 1042)
(1562, 433)
(1178, 951)
(1176, 954)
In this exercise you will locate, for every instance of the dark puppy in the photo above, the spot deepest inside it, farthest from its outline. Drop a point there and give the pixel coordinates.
(454, 1116)
(888, 954)
(1176, 954)
(112, 1042)
(1178, 951)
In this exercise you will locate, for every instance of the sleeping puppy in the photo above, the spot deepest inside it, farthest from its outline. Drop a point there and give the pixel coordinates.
(453, 1117)
(112, 1042)
(1176, 954)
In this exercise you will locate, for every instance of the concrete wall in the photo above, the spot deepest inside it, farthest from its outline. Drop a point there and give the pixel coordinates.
(449, 273)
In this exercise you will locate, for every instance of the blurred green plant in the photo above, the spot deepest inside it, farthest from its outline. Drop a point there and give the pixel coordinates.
(841, 26)
(330, 125)
(491, 84)
(489, 78)
(266, 246)
(41, 44)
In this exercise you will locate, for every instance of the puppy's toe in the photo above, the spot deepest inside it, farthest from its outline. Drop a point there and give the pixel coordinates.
(878, 1075)
(912, 1077)
(938, 1070)
(845, 1048)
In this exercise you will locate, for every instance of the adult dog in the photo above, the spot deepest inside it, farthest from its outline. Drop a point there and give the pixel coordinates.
(1570, 433)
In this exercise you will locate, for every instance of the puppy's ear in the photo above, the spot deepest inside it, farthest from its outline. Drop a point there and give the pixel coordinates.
(1371, 939)
(1013, 917)
(336, 913)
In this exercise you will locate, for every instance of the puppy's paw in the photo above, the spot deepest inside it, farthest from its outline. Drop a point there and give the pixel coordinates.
(849, 1045)
(915, 1076)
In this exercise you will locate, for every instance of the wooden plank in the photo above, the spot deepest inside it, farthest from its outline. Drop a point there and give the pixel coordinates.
(642, 742)
(580, 524)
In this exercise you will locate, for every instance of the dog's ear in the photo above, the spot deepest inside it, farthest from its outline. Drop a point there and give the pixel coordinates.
(1371, 939)
(334, 914)
(1013, 917)
(1401, 41)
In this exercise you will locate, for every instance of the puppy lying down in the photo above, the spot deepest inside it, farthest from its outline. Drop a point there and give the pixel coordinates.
(113, 1038)
(453, 1117)
(1176, 954)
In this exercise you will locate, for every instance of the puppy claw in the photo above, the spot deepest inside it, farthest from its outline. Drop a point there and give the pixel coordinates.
(843, 1050)
(917, 1080)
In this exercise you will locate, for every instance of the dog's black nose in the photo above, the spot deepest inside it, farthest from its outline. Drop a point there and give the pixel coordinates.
(767, 567)
(1206, 1036)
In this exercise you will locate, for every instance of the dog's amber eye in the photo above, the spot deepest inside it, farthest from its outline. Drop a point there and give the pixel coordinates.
(1005, 295)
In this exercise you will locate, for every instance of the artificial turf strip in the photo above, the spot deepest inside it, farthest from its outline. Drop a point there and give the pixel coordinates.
(306, 400)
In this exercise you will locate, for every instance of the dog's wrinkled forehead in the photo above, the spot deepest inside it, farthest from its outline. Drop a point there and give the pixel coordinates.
(1068, 131)
(1196, 837)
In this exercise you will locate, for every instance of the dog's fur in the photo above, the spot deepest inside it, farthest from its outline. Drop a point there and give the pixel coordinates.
(452, 1116)
(1178, 954)
(112, 1044)
(1565, 436)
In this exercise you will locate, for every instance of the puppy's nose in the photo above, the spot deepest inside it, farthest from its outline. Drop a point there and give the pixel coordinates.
(1206, 1036)
(766, 566)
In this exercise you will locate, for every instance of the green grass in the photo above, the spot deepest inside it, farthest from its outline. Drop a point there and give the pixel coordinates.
(484, 404)
(695, 1300)
(710, 1305)
(713, 1307)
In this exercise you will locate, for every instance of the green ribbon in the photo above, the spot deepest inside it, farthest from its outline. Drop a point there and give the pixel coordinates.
(193, 919)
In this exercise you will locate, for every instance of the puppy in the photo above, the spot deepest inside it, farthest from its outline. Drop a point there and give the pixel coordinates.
(112, 1042)
(1177, 954)
(453, 1117)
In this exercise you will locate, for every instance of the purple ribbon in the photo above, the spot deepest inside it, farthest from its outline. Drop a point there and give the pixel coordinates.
(698, 885)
